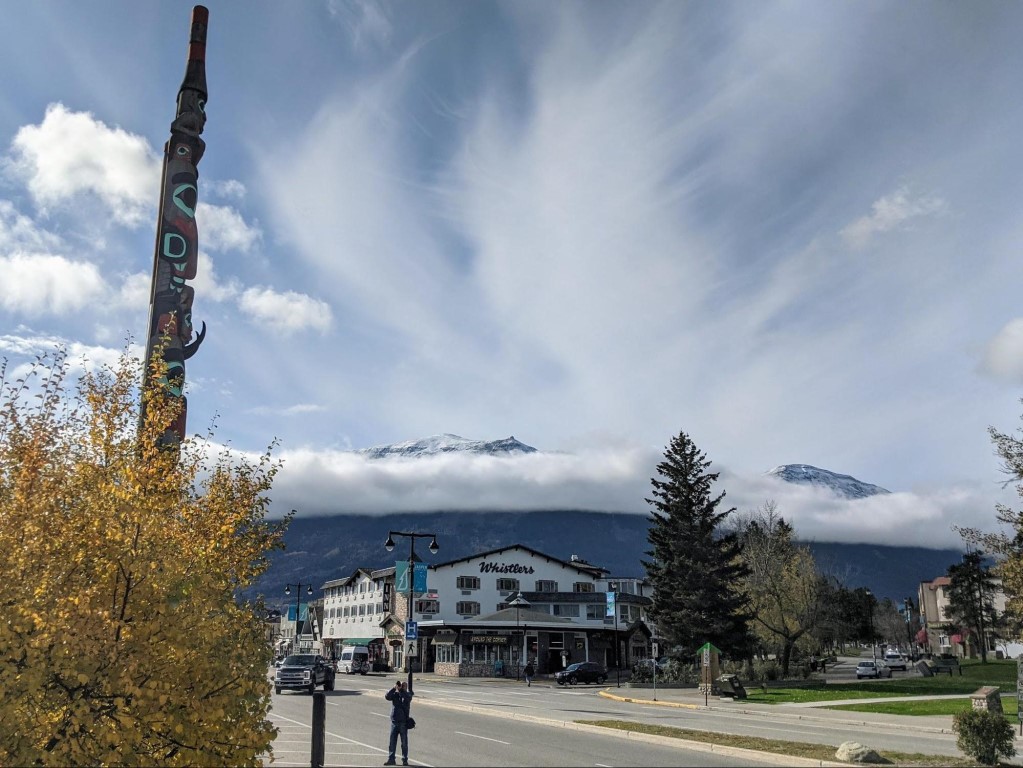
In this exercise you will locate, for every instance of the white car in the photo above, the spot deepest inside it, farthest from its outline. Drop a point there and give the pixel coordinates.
(874, 669)
(895, 661)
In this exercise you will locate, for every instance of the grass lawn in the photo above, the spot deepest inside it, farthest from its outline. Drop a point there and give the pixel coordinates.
(929, 707)
(787, 748)
(1000, 673)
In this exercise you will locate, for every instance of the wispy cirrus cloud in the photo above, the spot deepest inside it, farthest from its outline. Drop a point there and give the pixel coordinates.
(892, 212)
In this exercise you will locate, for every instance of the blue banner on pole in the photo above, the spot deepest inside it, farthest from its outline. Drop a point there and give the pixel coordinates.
(401, 577)
(610, 604)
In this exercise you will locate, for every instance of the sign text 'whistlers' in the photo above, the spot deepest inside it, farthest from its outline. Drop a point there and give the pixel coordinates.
(505, 568)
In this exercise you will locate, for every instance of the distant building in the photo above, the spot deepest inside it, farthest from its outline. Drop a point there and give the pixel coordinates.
(934, 605)
(470, 625)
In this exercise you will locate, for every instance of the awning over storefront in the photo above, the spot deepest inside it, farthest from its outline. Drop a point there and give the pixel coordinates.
(361, 640)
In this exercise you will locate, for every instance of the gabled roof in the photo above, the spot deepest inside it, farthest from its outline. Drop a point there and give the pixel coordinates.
(586, 569)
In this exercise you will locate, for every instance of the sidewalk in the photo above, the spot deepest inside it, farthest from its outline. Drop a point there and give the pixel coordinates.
(690, 698)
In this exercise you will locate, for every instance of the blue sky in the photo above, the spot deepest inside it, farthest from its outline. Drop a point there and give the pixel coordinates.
(790, 229)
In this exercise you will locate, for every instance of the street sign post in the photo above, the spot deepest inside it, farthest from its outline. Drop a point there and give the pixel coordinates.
(411, 630)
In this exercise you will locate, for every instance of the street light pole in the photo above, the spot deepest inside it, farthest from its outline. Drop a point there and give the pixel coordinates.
(519, 602)
(298, 606)
(389, 546)
(613, 587)
(908, 603)
(870, 618)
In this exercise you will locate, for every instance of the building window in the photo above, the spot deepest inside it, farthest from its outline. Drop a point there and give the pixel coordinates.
(583, 586)
(468, 582)
(596, 611)
(507, 585)
(427, 606)
(346, 611)
(571, 609)
(466, 608)
(446, 652)
(543, 585)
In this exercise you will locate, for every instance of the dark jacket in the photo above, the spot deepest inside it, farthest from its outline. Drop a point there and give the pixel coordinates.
(401, 701)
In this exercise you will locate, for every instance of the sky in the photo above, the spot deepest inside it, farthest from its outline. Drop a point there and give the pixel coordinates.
(791, 230)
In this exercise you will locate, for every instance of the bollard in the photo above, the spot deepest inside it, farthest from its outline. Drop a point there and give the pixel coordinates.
(319, 726)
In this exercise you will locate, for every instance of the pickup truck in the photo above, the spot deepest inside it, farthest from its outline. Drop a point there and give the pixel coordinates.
(303, 672)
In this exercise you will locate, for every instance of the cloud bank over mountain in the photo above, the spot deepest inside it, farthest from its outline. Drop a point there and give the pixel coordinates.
(609, 480)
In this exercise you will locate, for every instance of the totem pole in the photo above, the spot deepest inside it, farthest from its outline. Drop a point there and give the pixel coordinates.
(177, 240)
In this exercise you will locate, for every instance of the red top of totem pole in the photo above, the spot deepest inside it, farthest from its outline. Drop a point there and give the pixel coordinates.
(197, 41)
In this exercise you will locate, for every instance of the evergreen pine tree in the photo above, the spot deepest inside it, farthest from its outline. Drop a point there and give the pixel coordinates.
(695, 568)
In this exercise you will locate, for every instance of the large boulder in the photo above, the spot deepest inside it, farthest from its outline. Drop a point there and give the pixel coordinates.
(854, 752)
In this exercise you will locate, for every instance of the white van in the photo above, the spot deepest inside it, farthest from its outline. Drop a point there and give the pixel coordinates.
(354, 658)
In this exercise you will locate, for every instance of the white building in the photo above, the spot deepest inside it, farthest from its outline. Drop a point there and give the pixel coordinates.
(468, 625)
(354, 610)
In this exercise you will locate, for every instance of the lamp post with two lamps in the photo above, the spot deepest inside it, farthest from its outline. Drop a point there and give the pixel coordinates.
(410, 575)
(298, 606)
(519, 602)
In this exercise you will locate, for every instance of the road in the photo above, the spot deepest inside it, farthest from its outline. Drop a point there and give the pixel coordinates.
(450, 734)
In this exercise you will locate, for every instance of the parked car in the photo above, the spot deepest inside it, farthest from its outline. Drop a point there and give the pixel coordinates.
(895, 661)
(874, 669)
(583, 672)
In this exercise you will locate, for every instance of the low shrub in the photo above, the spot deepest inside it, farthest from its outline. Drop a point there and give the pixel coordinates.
(983, 735)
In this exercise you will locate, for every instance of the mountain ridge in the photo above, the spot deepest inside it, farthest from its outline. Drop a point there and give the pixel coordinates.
(318, 549)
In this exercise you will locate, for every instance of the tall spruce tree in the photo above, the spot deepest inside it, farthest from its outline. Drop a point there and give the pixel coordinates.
(695, 569)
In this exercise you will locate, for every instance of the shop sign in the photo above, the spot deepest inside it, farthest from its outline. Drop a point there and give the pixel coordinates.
(486, 567)
(488, 640)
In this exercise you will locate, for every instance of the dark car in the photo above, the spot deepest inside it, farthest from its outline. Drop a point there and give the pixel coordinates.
(303, 672)
(583, 672)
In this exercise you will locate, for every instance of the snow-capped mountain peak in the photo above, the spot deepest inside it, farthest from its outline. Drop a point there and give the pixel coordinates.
(841, 485)
(446, 443)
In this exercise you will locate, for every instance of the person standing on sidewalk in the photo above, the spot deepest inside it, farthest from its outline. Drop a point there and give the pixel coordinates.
(401, 702)
(528, 674)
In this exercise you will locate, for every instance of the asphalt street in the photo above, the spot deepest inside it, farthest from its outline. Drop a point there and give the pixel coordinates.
(501, 722)
(471, 725)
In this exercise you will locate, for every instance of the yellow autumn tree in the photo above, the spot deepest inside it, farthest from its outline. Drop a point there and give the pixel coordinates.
(121, 639)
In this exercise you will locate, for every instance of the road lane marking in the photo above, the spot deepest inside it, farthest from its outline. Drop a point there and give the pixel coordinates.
(485, 738)
(345, 738)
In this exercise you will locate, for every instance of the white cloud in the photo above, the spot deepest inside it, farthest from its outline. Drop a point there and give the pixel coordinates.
(891, 212)
(329, 482)
(37, 284)
(366, 21)
(291, 410)
(20, 233)
(135, 289)
(207, 283)
(71, 154)
(1003, 356)
(286, 312)
(80, 357)
(231, 189)
(222, 228)
(613, 480)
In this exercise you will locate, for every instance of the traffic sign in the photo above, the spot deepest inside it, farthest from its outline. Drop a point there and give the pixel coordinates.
(413, 649)
(411, 630)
